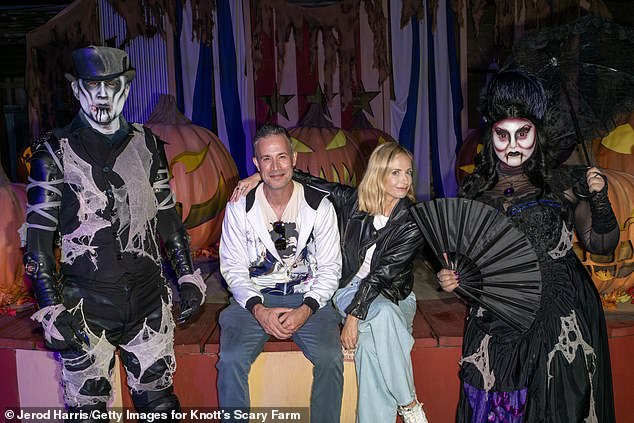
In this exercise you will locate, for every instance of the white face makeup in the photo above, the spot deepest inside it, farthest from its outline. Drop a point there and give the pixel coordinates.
(514, 140)
(102, 101)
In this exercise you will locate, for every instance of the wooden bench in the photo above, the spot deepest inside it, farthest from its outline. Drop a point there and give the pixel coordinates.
(31, 376)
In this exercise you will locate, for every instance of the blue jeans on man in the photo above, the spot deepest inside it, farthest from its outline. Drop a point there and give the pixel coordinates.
(242, 339)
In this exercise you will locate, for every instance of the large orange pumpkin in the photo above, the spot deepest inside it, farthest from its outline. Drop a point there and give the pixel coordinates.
(367, 136)
(616, 150)
(203, 172)
(13, 288)
(614, 274)
(326, 151)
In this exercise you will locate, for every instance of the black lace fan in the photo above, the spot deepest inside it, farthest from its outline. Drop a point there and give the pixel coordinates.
(497, 264)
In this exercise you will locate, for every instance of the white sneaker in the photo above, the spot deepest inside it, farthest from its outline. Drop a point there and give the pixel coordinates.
(413, 414)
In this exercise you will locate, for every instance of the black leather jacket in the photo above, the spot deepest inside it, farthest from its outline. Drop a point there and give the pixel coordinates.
(396, 246)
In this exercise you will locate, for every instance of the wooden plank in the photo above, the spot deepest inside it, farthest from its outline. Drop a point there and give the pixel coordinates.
(446, 318)
(620, 325)
(22, 333)
(421, 331)
(191, 337)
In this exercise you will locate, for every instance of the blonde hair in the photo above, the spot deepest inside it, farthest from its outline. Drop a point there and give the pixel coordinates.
(371, 190)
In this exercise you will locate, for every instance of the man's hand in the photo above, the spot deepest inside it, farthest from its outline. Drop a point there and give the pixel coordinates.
(269, 319)
(295, 318)
(350, 333)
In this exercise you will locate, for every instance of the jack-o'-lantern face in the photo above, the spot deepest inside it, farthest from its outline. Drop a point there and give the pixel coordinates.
(202, 171)
(330, 153)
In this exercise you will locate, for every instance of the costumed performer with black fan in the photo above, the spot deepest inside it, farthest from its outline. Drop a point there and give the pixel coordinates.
(559, 369)
(379, 242)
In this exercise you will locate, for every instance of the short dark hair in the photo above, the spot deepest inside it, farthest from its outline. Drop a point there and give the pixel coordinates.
(268, 130)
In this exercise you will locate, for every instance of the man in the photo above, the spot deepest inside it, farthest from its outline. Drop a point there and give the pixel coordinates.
(280, 257)
(100, 188)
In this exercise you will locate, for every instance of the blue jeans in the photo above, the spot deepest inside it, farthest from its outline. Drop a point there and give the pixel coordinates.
(242, 339)
(383, 359)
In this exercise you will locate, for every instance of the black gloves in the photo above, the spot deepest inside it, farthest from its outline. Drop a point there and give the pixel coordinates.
(191, 285)
(191, 300)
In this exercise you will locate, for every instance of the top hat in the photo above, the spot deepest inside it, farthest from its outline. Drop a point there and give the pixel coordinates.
(514, 93)
(97, 63)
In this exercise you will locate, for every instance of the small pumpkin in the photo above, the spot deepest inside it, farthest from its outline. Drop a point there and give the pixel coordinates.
(326, 151)
(368, 137)
(614, 274)
(24, 165)
(203, 174)
(469, 150)
(13, 286)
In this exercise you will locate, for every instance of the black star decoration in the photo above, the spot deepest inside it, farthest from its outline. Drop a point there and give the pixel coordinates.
(362, 99)
(319, 98)
(277, 102)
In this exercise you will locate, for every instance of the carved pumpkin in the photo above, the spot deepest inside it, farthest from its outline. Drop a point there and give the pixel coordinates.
(13, 289)
(616, 150)
(326, 151)
(470, 148)
(24, 166)
(202, 170)
(367, 136)
(614, 274)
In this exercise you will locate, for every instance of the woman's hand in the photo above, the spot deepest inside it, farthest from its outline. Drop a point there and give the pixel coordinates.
(244, 186)
(595, 179)
(350, 333)
(448, 279)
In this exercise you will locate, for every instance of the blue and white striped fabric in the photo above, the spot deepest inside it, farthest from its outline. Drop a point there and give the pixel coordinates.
(233, 84)
(425, 115)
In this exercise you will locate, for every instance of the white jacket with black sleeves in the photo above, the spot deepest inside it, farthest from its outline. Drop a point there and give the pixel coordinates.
(249, 261)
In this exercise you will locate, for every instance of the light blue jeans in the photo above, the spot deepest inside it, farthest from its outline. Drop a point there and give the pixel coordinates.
(383, 359)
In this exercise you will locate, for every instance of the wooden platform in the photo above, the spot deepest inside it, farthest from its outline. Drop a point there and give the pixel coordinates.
(30, 376)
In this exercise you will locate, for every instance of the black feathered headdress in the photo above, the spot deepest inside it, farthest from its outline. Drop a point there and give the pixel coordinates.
(513, 93)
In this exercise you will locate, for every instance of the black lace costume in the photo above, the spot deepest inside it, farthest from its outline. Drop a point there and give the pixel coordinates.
(559, 370)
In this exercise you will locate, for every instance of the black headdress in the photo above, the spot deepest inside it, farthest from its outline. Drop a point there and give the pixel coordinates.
(513, 93)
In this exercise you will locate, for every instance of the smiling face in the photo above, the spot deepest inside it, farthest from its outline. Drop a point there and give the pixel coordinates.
(514, 140)
(275, 161)
(102, 101)
(398, 178)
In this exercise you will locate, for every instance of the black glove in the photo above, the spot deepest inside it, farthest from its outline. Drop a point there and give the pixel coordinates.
(191, 297)
(72, 331)
(177, 247)
(62, 330)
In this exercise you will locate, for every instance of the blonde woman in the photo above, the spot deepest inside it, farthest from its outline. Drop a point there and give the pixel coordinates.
(379, 242)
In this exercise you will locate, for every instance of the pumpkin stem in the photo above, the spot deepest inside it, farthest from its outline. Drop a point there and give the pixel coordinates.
(360, 121)
(315, 117)
(166, 111)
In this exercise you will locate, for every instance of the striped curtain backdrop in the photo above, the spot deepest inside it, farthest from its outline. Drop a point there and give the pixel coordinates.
(428, 100)
(217, 86)
(147, 55)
